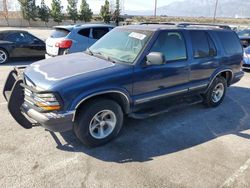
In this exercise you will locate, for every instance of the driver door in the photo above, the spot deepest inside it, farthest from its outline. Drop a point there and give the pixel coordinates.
(171, 78)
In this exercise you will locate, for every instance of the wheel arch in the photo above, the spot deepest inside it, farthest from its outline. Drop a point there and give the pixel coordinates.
(225, 73)
(120, 97)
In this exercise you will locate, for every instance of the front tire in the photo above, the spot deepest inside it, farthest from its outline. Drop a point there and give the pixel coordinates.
(216, 92)
(98, 122)
(4, 56)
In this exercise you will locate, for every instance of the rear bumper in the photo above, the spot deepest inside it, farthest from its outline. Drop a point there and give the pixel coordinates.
(246, 66)
(237, 77)
(27, 116)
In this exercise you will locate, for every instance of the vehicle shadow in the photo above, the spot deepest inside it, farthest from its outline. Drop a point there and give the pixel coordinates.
(142, 140)
(20, 61)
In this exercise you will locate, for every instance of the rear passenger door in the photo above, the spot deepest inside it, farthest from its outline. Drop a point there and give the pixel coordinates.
(203, 61)
(97, 33)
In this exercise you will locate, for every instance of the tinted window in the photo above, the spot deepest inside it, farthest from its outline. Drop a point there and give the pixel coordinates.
(16, 37)
(172, 45)
(200, 44)
(212, 48)
(99, 32)
(230, 42)
(59, 33)
(84, 32)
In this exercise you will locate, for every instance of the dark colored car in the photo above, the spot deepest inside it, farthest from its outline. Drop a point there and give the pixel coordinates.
(137, 70)
(18, 44)
(244, 36)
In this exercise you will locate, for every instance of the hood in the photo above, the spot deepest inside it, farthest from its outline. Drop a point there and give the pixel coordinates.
(47, 72)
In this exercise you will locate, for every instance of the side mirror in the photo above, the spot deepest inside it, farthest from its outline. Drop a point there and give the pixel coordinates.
(155, 58)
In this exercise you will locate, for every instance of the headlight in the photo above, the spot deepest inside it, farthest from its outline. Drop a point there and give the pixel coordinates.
(45, 101)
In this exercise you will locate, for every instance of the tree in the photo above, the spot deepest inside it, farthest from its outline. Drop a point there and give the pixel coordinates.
(56, 11)
(72, 10)
(5, 12)
(85, 13)
(29, 9)
(44, 12)
(105, 12)
(117, 12)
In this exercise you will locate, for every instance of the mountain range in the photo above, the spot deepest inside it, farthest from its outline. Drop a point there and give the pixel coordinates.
(201, 8)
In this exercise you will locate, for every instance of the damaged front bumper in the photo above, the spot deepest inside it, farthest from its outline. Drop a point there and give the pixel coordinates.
(25, 114)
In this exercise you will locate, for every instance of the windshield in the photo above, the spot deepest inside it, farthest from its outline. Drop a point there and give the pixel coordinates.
(244, 33)
(122, 45)
(59, 33)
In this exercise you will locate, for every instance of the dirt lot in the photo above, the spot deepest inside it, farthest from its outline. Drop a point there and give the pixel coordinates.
(194, 147)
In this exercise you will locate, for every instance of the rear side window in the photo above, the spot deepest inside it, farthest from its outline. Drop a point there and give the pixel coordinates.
(203, 46)
(171, 45)
(230, 42)
(84, 32)
(59, 33)
(99, 32)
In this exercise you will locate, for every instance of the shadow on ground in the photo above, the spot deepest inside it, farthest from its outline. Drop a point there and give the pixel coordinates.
(141, 140)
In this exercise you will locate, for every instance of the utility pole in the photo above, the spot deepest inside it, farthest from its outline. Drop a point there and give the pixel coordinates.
(155, 8)
(215, 10)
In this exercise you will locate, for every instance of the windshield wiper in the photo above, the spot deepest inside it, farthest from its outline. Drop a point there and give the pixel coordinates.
(89, 51)
(101, 55)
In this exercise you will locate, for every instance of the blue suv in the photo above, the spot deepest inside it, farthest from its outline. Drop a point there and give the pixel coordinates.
(137, 71)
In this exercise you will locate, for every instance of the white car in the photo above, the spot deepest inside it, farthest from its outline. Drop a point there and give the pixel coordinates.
(74, 38)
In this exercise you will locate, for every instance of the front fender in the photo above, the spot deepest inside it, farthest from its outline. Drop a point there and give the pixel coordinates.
(85, 96)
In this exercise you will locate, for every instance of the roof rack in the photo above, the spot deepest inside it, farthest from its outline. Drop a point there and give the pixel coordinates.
(160, 23)
(201, 24)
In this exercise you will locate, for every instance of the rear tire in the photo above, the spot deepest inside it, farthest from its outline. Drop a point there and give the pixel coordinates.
(4, 56)
(98, 122)
(216, 92)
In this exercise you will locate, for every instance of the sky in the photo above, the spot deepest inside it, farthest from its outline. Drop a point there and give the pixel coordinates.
(95, 5)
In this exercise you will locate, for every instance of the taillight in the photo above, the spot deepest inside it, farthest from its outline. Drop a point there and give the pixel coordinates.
(64, 44)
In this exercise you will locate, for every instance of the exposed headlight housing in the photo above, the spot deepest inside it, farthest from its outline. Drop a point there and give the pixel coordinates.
(44, 101)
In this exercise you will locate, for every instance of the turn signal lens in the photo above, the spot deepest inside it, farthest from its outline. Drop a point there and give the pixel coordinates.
(50, 108)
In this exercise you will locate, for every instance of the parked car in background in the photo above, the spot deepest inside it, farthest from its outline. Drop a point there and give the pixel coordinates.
(246, 61)
(74, 38)
(137, 71)
(244, 36)
(18, 43)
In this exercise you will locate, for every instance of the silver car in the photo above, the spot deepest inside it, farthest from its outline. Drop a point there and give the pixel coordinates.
(246, 60)
(74, 38)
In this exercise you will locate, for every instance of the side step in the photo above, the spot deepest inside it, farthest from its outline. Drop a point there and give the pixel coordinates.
(196, 99)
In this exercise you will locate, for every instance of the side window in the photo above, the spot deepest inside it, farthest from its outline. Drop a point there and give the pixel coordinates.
(84, 32)
(212, 48)
(16, 37)
(200, 44)
(28, 38)
(230, 42)
(171, 45)
(99, 32)
(203, 46)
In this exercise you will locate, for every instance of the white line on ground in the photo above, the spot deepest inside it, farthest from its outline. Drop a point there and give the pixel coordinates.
(236, 174)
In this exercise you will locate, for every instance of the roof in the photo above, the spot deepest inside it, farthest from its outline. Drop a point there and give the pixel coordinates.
(154, 27)
(80, 26)
(12, 31)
